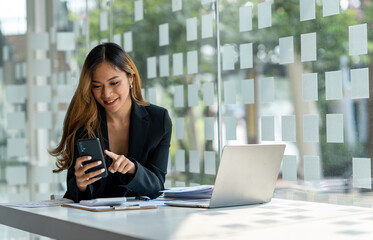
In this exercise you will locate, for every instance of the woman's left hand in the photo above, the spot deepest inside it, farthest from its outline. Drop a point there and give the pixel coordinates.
(120, 163)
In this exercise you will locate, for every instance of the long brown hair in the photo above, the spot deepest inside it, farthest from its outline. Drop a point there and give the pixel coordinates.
(83, 113)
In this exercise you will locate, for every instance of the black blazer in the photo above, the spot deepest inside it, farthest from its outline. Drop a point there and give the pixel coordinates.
(149, 143)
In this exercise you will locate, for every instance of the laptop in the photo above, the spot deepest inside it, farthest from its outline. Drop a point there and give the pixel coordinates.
(247, 174)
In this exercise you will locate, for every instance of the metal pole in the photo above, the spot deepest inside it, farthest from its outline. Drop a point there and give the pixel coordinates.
(218, 75)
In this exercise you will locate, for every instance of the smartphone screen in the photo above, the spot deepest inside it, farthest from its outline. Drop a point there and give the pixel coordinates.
(92, 147)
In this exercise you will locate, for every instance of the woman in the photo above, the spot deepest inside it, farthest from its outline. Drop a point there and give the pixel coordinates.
(108, 104)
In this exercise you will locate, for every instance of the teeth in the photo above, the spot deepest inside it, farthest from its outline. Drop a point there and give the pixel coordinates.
(110, 101)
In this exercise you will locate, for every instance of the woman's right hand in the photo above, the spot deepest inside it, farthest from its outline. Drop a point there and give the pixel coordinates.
(83, 179)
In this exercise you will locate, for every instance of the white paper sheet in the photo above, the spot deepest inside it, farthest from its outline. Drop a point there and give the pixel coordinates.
(330, 7)
(117, 38)
(264, 14)
(177, 60)
(194, 160)
(289, 168)
(307, 10)
(177, 5)
(246, 21)
(193, 95)
(333, 85)
(179, 96)
(15, 93)
(127, 36)
(164, 66)
(210, 162)
(39, 204)
(228, 57)
(209, 123)
(308, 47)
(192, 62)
(360, 83)
(248, 92)
(139, 10)
(230, 128)
(361, 173)
(43, 120)
(152, 67)
(246, 55)
(286, 50)
(16, 175)
(208, 94)
(230, 92)
(152, 95)
(312, 168)
(288, 124)
(16, 147)
(179, 128)
(103, 21)
(16, 120)
(310, 87)
(334, 128)
(40, 41)
(268, 128)
(42, 93)
(65, 41)
(41, 67)
(358, 39)
(267, 89)
(207, 26)
(180, 160)
(310, 128)
(191, 29)
(163, 34)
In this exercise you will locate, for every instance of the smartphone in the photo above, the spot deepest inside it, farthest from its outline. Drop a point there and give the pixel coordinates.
(92, 147)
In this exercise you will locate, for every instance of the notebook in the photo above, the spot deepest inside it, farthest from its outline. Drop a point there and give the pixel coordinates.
(247, 174)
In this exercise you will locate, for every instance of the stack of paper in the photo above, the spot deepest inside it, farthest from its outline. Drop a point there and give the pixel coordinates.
(203, 191)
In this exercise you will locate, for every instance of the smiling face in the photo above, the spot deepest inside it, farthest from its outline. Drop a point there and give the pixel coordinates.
(111, 87)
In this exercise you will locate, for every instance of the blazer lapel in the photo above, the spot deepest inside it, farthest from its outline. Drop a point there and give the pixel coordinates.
(139, 127)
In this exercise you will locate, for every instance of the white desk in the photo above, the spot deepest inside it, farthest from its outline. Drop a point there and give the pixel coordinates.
(280, 219)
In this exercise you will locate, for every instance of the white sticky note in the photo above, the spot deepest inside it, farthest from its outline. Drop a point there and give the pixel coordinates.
(16, 147)
(289, 168)
(164, 66)
(139, 11)
(246, 55)
(358, 39)
(210, 162)
(268, 128)
(15, 93)
(230, 92)
(179, 96)
(330, 7)
(264, 14)
(65, 41)
(308, 47)
(361, 173)
(192, 62)
(307, 10)
(228, 57)
(43, 120)
(177, 5)
(230, 128)
(16, 120)
(192, 95)
(333, 85)
(334, 128)
(118, 39)
(207, 26)
(40, 41)
(42, 93)
(312, 168)
(267, 89)
(208, 94)
(310, 128)
(5, 53)
(288, 124)
(180, 160)
(179, 128)
(152, 95)
(310, 87)
(16, 175)
(127, 37)
(163, 34)
(286, 50)
(41, 67)
(194, 160)
(103, 21)
(191, 29)
(360, 83)
(177, 60)
(152, 67)
(246, 18)
(209, 128)
(248, 93)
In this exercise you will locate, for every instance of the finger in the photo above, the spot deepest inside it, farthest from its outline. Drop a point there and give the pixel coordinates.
(80, 160)
(81, 170)
(127, 168)
(93, 174)
(121, 160)
(112, 155)
(92, 180)
(122, 166)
